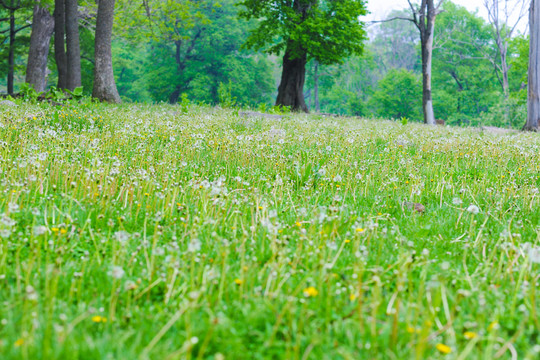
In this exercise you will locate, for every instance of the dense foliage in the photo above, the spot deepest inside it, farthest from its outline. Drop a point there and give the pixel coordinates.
(328, 31)
(172, 50)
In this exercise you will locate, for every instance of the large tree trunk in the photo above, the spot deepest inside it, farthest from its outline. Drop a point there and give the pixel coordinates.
(73, 45)
(427, 26)
(293, 77)
(11, 56)
(173, 98)
(533, 101)
(59, 42)
(104, 85)
(42, 30)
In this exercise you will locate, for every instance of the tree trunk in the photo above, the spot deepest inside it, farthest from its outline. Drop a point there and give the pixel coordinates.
(175, 95)
(505, 69)
(291, 88)
(427, 27)
(59, 42)
(11, 56)
(316, 88)
(73, 47)
(533, 101)
(104, 85)
(42, 30)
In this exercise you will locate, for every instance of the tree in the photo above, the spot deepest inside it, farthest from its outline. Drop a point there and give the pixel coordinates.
(73, 49)
(12, 6)
(345, 88)
(42, 30)
(104, 85)
(533, 101)
(396, 43)
(398, 95)
(59, 43)
(187, 48)
(464, 80)
(181, 25)
(324, 30)
(423, 16)
(504, 16)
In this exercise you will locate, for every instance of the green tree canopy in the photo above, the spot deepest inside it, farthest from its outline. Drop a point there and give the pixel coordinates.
(399, 95)
(326, 30)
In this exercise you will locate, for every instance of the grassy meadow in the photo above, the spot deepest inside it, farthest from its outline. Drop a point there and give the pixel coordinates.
(184, 232)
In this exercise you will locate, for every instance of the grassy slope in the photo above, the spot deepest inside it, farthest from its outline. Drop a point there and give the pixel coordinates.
(140, 232)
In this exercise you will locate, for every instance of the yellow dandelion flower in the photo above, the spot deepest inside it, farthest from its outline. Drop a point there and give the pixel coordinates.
(99, 319)
(410, 329)
(54, 229)
(352, 297)
(494, 325)
(19, 342)
(238, 281)
(63, 231)
(470, 335)
(445, 349)
(310, 292)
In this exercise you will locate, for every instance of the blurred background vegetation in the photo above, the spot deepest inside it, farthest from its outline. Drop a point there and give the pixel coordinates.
(194, 50)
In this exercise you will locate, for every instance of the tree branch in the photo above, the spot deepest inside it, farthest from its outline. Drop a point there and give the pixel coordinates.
(17, 30)
(391, 19)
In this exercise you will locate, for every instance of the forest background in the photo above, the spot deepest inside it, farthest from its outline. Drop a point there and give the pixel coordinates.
(193, 51)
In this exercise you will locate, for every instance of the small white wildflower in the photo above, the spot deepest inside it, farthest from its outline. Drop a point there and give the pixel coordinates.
(457, 201)
(13, 207)
(534, 255)
(194, 245)
(322, 171)
(121, 236)
(473, 209)
(337, 178)
(130, 285)
(5, 233)
(7, 221)
(31, 293)
(39, 230)
(117, 272)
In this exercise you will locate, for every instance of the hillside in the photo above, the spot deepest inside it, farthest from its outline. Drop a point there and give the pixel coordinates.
(181, 232)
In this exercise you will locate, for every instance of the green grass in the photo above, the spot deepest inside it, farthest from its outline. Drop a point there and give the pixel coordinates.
(143, 232)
